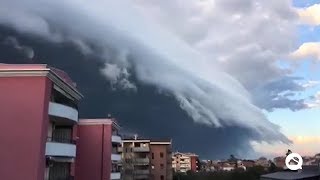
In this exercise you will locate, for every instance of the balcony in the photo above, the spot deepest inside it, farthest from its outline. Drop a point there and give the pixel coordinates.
(141, 149)
(142, 161)
(120, 149)
(65, 149)
(144, 171)
(115, 157)
(116, 139)
(63, 111)
(115, 175)
(142, 176)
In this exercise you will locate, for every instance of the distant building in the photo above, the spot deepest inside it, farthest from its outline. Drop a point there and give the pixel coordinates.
(248, 163)
(97, 150)
(227, 167)
(262, 161)
(184, 162)
(39, 115)
(280, 162)
(146, 159)
(207, 166)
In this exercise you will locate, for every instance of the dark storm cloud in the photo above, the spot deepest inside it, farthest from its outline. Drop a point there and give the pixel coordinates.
(145, 112)
(25, 50)
(130, 51)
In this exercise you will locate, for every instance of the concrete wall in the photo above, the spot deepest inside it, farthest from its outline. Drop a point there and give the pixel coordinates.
(157, 161)
(24, 122)
(193, 160)
(94, 146)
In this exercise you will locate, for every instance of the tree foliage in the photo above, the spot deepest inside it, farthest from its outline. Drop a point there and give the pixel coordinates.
(252, 173)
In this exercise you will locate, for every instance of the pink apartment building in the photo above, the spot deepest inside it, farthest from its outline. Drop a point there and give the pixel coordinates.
(38, 115)
(97, 150)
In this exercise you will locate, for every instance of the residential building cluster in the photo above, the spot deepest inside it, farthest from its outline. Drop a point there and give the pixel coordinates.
(43, 138)
(232, 164)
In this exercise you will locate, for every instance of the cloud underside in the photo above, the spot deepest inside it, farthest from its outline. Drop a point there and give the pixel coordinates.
(217, 59)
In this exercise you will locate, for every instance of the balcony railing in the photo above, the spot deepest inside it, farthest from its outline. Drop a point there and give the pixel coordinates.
(141, 161)
(116, 139)
(67, 178)
(61, 140)
(141, 149)
(144, 171)
(63, 111)
(115, 175)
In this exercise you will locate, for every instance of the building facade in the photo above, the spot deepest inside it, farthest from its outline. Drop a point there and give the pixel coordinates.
(146, 159)
(184, 162)
(97, 150)
(39, 115)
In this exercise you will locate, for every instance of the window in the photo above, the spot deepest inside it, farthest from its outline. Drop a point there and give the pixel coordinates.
(62, 134)
(161, 154)
(161, 166)
(152, 155)
(162, 177)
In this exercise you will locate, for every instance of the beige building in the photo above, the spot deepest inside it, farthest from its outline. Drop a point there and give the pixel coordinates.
(146, 159)
(184, 162)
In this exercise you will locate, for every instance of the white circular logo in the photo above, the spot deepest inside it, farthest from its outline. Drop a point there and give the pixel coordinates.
(294, 161)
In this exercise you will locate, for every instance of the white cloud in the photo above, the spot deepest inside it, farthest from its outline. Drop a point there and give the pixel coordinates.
(310, 84)
(308, 50)
(243, 38)
(315, 102)
(26, 50)
(310, 15)
(118, 77)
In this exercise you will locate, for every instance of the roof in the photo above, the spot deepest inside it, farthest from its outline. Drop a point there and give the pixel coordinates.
(99, 121)
(186, 154)
(66, 78)
(151, 141)
(284, 175)
(57, 76)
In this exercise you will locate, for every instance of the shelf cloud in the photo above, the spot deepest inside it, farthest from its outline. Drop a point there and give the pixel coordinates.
(216, 59)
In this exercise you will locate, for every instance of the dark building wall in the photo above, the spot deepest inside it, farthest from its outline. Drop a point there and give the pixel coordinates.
(24, 121)
(194, 163)
(162, 163)
(93, 159)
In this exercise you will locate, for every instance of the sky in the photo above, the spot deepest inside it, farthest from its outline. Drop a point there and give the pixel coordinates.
(243, 73)
(300, 126)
